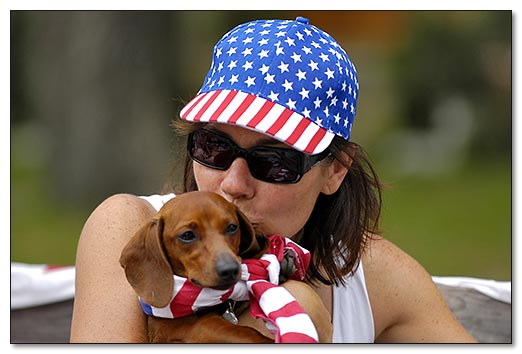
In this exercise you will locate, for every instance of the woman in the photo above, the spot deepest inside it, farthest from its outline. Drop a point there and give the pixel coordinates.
(269, 131)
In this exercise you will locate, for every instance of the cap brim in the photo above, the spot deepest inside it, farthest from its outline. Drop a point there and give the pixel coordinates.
(259, 114)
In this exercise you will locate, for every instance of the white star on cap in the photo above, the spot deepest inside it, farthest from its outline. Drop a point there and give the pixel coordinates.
(264, 69)
(291, 104)
(283, 67)
(269, 78)
(301, 75)
(273, 96)
(329, 73)
(234, 79)
(250, 81)
(263, 54)
(304, 93)
(317, 83)
(287, 85)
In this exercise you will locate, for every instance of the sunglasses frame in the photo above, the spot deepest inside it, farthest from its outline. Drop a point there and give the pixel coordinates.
(305, 162)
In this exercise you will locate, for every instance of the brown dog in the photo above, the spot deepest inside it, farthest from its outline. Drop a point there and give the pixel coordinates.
(202, 237)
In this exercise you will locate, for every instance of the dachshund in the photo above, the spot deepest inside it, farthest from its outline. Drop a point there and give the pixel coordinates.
(202, 237)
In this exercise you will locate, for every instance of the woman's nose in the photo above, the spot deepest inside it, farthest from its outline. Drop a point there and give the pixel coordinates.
(237, 181)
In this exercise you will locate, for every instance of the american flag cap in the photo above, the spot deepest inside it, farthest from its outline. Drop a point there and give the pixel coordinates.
(287, 79)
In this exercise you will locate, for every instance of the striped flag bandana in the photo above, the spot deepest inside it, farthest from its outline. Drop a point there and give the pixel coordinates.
(287, 79)
(283, 315)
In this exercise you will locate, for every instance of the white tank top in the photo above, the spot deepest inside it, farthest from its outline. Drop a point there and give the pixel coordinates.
(352, 313)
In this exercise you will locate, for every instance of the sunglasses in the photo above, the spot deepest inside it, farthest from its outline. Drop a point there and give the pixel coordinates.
(273, 165)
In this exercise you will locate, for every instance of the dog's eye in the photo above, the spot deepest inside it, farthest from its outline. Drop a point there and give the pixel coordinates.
(231, 229)
(187, 237)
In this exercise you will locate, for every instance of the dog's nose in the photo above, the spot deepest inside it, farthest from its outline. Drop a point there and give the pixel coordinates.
(227, 268)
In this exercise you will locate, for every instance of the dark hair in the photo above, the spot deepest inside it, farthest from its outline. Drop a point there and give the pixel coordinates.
(340, 224)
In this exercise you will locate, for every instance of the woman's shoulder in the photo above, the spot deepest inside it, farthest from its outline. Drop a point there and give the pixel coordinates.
(120, 209)
(383, 257)
(391, 272)
(99, 276)
(406, 303)
(393, 279)
(123, 202)
(124, 211)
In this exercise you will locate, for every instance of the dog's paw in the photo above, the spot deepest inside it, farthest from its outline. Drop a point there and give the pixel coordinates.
(287, 266)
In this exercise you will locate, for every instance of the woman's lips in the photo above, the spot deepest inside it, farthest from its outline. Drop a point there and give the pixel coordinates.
(256, 222)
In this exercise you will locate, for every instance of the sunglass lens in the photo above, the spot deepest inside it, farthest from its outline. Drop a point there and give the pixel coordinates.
(211, 150)
(275, 167)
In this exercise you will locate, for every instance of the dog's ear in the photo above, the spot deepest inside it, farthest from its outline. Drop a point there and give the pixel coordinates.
(252, 245)
(146, 266)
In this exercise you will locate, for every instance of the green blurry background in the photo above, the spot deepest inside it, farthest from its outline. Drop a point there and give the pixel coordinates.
(92, 95)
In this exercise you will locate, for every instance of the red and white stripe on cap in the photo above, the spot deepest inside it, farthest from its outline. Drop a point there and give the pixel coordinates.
(259, 114)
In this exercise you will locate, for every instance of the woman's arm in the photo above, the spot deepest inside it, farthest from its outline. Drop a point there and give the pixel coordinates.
(106, 308)
(407, 306)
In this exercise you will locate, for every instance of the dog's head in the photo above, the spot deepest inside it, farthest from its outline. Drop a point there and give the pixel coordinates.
(197, 235)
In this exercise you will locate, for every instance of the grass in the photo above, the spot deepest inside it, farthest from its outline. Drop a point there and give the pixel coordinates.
(42, 229)
(458, 225)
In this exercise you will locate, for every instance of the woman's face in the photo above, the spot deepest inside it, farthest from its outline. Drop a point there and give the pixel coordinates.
(281, 209)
